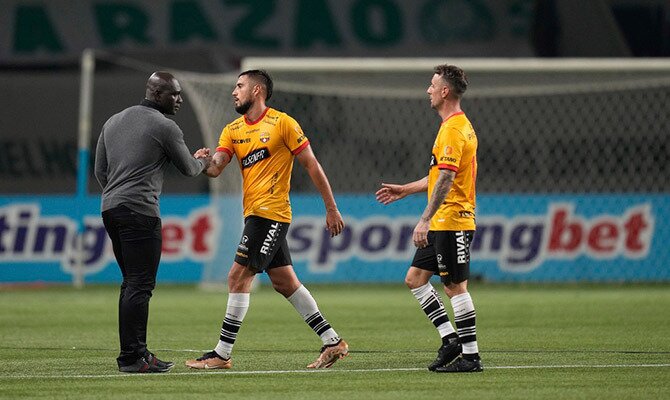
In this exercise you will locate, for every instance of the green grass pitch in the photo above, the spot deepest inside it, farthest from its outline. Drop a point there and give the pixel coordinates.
(536, 342)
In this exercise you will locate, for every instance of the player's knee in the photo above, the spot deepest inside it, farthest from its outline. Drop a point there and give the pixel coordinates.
(240, 279)
(279, 287)
(454, 289)
(413, 281)
(285, 288)
(409, 282)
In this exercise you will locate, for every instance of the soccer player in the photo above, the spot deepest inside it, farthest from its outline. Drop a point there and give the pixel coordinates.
(446, 227)
(265, 142)
(133, 151)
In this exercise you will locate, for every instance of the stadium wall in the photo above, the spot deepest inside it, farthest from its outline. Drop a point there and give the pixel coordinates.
(521, 238)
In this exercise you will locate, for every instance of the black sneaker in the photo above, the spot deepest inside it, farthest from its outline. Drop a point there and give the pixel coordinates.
(446, 354)
(140, 366)
(157, 365)
(462, 365)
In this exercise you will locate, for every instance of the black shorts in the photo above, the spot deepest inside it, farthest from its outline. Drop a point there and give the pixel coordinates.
(263, 245)
(447, 255)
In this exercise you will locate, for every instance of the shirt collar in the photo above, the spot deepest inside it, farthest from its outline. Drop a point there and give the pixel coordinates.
(149, 103)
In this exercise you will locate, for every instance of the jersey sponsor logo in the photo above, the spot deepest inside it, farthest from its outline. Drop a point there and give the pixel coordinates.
(301, 139)
(270, 238)
(441, 267)
(448, 159)
(433, 160)
(461, 248)
(243, 243)
(241, 141)
(255, 156)
(265, 137)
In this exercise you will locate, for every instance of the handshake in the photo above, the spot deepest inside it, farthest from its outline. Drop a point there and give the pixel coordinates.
(203, 154)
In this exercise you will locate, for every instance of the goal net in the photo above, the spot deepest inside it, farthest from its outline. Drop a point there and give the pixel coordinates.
(546, 126)
(212, 102)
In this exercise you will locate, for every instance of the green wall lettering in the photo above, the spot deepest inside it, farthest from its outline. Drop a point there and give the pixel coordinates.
(362, 13)
(188, 21)
(245, 32)
(521, 13)
(441, 21)
(314, 23)
(33, 31)
(117, 22)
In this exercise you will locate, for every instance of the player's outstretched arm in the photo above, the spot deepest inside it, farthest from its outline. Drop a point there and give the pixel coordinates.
(203, 154)
(334, 221)
(218, 163)
(390, 192)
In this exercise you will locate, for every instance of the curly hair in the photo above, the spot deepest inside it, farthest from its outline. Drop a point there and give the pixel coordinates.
(455, 78)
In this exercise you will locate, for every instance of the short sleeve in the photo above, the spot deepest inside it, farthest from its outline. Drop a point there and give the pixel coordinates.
(294, 138)
(450, 149)
(225, 142)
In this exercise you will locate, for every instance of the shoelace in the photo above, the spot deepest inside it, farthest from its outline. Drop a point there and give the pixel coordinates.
(330, 345)
(210, 354)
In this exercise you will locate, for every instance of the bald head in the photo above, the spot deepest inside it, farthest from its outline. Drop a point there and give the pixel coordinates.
(164, 90)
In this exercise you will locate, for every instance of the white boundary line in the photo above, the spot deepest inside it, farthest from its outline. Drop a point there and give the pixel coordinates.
(304, 371)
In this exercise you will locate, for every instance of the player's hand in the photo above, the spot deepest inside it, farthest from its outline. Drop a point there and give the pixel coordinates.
(389, 193)
(420, 235)
(334, 222)
(201, 153)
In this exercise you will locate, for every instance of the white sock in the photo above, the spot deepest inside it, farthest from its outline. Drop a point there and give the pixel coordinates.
(464, 317)
(238, 304)
(306, 306)
(432, 305)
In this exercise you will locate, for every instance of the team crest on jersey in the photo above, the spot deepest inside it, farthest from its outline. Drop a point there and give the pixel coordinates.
(265, 137)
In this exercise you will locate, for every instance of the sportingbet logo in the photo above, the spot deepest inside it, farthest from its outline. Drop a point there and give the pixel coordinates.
(28, 236)
(518, 244)
(522, 243)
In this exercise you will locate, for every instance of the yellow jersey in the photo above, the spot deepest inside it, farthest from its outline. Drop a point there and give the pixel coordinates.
(455, 149)
(265, 150)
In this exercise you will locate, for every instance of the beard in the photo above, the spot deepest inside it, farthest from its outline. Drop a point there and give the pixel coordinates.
(243, 108)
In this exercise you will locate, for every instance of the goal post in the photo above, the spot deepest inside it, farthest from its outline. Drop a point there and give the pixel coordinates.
(83, 155)
(211, 99)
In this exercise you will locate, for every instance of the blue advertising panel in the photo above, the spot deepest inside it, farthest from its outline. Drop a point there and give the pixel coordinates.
(38, 239)
(538, 238)
(599, 238)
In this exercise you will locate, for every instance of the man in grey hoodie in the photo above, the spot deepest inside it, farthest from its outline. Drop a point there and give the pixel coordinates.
(132, 154)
